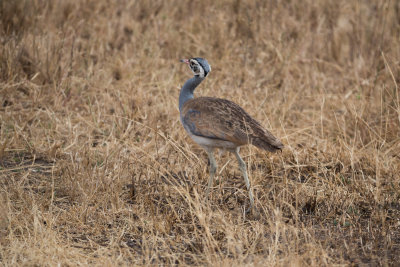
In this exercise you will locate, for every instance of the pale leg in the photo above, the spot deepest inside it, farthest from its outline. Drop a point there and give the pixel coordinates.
(213, 168)
(242, 166)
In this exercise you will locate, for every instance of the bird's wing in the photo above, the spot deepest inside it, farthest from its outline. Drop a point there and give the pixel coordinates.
(224, 120)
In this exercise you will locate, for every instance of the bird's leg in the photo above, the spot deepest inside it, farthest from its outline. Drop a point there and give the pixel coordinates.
(242, 166)
(213, 168)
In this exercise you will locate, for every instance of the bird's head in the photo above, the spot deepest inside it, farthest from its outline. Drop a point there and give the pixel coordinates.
(199, 66)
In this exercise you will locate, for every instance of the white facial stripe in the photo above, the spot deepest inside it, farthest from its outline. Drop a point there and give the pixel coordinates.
(201, 73)
(200, 69)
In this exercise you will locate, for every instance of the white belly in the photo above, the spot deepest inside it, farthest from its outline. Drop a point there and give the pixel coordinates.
(209, 142)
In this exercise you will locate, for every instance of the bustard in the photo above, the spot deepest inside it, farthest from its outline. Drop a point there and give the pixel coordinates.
(220, 123)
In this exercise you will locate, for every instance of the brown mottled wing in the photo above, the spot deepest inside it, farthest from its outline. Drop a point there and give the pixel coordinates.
(224, 120)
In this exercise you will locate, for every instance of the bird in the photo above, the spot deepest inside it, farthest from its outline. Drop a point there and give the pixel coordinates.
(215, 123)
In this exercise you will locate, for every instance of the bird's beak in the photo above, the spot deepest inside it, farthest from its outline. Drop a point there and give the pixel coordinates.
(184, 61)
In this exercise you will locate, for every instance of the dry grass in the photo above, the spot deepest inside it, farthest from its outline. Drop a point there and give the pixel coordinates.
(96, 169)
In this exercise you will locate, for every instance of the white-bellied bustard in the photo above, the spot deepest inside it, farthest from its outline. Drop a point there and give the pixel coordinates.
(220, 123)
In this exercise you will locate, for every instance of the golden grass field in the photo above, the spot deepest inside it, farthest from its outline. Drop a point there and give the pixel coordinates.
(96, 169)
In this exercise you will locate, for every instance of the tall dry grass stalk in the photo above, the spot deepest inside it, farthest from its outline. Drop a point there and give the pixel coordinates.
(96, 169)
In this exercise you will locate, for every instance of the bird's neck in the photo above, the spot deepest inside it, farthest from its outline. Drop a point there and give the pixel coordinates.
(188, 89)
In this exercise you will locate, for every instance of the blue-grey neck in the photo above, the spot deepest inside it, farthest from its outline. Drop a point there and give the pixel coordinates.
(188, 89)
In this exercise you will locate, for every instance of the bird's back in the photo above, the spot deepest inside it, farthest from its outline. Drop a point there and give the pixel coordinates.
(222, 119)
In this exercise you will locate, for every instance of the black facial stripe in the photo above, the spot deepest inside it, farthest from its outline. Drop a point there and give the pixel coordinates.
(197, 64)
(204, 69)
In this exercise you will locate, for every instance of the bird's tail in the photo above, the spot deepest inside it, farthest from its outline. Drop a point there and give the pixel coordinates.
(267, 142)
